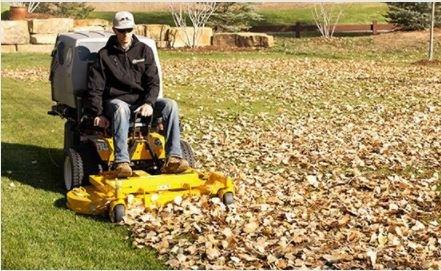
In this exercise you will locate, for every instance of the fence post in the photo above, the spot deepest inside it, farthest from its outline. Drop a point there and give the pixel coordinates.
(297, 29)
(374, 27)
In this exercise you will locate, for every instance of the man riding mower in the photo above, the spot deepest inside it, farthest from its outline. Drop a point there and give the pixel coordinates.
(139, 151)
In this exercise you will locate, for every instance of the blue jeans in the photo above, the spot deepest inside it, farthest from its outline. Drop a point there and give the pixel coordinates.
(119, 113)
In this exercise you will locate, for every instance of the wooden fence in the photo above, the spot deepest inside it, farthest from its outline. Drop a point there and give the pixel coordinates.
(373, 28)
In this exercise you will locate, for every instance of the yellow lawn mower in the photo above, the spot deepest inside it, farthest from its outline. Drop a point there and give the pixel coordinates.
(89, 178)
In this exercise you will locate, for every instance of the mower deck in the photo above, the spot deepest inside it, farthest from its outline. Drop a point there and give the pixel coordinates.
(106, 191)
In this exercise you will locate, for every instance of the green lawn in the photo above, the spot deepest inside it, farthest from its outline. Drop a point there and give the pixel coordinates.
(39, 232)
(355, 13)
(157, 17)
(5, 7)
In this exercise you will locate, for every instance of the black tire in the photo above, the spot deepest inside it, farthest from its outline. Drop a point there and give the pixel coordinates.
(118, 213)
(73, 169)
(187, 153)
(228, 198)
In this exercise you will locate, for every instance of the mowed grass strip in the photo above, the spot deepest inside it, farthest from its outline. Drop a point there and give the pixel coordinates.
(38, 231)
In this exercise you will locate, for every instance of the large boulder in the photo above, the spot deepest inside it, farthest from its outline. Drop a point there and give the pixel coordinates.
(139, 29)
(243, 39)
(156, 32)
(91, 25)
(161, 44)
(183, 37)
(43, 38)
(255, 40)
(91, 22)
(89, 28)
(224, 40)
(9, 48)
(14, 32)
(51, 26)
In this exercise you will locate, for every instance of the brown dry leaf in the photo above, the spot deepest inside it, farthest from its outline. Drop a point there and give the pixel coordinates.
(344, 220)
(372, 257)
(312, 180)
(418, 226)
(382, 239)
(251, 227)
(225, 244)
(173, 263)
(212, 253)
(281, 264)
(227, 232)
(163, 246)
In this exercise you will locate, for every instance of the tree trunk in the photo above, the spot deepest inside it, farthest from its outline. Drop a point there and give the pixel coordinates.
(431, 32)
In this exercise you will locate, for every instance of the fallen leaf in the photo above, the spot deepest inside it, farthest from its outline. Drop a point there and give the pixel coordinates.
(312, 180)
(212, 253)
(251, 227)
(372, 257)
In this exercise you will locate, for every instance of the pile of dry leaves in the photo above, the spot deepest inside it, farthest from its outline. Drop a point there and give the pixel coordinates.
(337, 167)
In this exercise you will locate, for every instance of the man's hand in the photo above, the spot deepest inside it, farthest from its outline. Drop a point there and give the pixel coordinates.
(145, 110)
(101, 121)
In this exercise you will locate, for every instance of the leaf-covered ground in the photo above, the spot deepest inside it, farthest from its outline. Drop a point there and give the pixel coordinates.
(336, 165)
(336, 162)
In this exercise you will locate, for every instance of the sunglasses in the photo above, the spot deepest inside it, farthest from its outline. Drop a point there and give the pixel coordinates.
(123, 31)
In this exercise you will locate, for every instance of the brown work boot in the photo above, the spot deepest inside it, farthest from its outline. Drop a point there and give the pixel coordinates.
(175, 165)
(123, 170)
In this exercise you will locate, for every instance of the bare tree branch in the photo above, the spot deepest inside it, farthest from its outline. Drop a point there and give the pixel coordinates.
(32, 5)
(179, 19)
(198, 13)
(325, 20)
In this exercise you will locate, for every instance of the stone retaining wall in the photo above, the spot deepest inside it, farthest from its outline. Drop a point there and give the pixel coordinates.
(14, 32)
(26, 35)
(178, 37)
(50, 26)
(243, 39)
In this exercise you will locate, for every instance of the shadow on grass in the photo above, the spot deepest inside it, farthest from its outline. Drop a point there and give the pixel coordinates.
(40, 168)
(61, 203)
(32, 165)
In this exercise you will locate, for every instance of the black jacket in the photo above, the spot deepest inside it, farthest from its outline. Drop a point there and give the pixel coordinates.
(131, 76)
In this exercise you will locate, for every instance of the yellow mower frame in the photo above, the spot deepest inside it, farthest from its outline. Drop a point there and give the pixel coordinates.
(110, 194)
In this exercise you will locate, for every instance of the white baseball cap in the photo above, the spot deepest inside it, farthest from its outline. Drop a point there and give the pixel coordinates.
(123, 20)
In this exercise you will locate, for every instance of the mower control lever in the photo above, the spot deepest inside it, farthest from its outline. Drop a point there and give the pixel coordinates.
(149, 147)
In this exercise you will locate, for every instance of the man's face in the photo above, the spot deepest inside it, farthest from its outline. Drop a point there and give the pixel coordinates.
(124, 36)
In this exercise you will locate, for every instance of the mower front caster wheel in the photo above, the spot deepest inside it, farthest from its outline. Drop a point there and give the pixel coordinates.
(228, 198)
(118, 213)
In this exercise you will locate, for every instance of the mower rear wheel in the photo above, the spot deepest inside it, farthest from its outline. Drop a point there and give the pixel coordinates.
(118, 213)
(187, 153)
(228, 198)
(73, 169)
